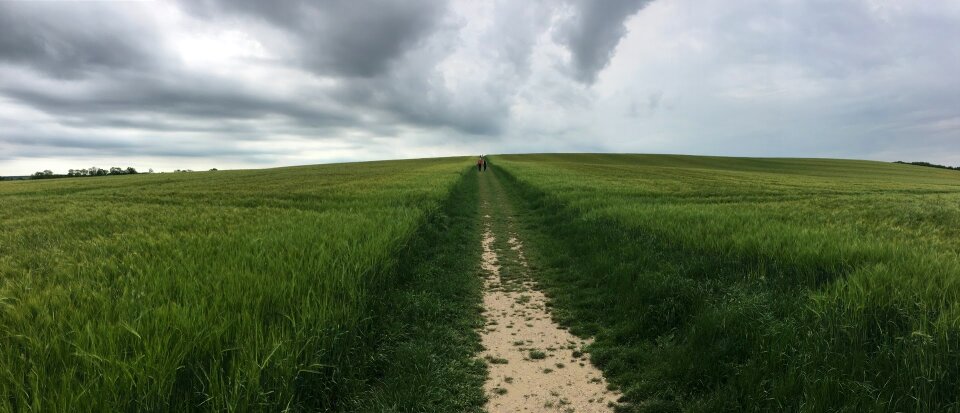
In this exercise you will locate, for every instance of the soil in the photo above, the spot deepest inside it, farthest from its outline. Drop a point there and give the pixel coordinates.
(534, 364)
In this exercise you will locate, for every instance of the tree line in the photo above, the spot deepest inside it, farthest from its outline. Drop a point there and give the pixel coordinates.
(931, 165)
(91, 171)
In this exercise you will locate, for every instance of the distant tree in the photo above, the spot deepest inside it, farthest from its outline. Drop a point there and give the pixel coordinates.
(213, 169)
(930, 165)
(91, 171)
(150, 171)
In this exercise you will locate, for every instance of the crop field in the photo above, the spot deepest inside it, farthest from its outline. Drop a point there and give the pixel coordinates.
(707, 284)
(258, 290)
(754, 284)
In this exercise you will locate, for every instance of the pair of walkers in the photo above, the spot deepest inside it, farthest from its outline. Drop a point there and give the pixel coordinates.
(481, 163)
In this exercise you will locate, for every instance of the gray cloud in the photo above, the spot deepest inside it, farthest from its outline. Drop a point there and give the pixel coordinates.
(415, 100)
(41, 144)
(365, 47)
(382, 53)
(341, 37)
(69, 40)
(830, 38)
(182, 94)
(594, 31)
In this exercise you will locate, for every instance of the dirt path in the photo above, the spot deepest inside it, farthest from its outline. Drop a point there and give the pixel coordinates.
(534, 364)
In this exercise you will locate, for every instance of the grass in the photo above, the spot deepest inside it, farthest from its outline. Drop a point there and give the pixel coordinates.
(427, 339)
(262, 290)
(752, 284)
(496, 360)
(709, 284)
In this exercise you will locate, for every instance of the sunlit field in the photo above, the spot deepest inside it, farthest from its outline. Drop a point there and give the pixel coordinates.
(754, 284)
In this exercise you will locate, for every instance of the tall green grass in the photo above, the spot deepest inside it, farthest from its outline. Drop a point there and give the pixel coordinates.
(754, 284)
(218, 291)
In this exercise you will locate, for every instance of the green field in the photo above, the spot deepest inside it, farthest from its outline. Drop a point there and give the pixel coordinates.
(755, 284)
(257, 290)
(709, 284)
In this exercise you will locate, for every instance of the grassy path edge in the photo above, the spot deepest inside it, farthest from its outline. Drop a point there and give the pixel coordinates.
(562, 243)
(424, 328)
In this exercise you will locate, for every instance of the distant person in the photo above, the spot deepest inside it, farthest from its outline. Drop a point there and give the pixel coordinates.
(484, 163)
(480, 164)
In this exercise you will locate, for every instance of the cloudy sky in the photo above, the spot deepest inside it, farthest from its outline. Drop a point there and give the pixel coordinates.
(249, 83)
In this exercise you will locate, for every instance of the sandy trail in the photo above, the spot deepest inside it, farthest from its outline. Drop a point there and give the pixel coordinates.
(534, 365)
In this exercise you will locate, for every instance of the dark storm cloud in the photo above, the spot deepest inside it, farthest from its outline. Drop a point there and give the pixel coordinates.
(60, 141)
(45, 144)
(70, 40)
(212, 103)
(594, 31)
(342, 37)
(183, 94)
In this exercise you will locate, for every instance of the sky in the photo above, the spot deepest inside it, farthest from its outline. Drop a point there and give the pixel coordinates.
(199, 84)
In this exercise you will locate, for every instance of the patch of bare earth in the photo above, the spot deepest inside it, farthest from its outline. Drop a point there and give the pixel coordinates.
(534, 364)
